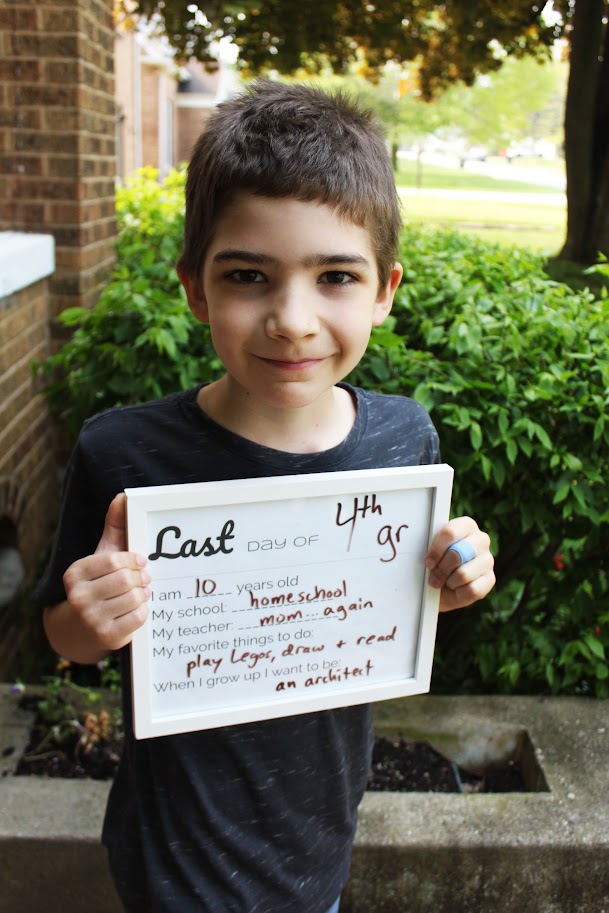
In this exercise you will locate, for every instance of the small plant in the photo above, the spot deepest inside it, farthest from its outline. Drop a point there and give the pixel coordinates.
(74, 733)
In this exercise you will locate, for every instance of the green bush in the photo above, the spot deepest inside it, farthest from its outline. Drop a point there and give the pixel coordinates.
(515, 372)
(140, 342)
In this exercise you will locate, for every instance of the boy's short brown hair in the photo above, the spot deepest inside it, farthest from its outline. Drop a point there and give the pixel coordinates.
(282, 140)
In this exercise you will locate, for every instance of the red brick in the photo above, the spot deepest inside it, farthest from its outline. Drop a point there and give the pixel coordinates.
(18, 348)
(32, 309)
(65, 166)
(67, 213)
(61, 70)
(20, 70)
(42, 45)
(18, 438)
(14, 19)
(65, 20)
(21, 164)
(36, 141)
(13, 407)
(33, 96)
(18, 118)
(67, 121)
(21, 371)
(28, 215)
(37, 418)
(43, 189)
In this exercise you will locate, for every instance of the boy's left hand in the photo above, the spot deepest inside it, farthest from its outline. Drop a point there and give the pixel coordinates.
(461, 584)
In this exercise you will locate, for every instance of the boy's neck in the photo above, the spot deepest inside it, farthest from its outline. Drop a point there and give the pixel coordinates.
(308, 429)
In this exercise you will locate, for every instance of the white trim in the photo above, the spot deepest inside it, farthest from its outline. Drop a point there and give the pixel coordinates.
(24, 260)
(196, 100)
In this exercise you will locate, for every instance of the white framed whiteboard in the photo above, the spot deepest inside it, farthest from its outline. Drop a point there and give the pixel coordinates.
(284, 595)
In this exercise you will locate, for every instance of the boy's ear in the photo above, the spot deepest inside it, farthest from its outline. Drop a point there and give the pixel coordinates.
(197, 301)
(384, 302)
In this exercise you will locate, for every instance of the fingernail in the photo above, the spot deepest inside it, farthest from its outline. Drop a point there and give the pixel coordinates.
(146, 576)
(141, 560)
(429, 563)
(435, 581)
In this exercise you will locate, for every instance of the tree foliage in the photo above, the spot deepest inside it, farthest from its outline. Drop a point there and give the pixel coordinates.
(449, 42)
(452, 40)
(496, 112)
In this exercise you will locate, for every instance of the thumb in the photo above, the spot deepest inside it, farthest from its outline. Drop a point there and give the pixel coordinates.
(114, 536)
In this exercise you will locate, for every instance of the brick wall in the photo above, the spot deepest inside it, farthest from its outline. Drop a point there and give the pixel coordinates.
(57, 170)
(28, 474)
(57, 136)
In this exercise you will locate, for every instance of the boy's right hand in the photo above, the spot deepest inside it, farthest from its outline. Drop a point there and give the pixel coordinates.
(107, 592)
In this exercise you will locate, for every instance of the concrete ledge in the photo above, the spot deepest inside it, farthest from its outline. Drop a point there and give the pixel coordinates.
(535, 852)
(24, 259)
(51, 858)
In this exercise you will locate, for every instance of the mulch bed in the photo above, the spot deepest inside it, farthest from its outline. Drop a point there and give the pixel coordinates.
(401, 766)
(82, 751)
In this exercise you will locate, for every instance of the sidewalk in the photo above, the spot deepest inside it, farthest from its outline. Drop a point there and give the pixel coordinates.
(493, 196)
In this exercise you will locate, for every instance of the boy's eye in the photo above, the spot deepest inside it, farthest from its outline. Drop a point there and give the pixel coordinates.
(337, 277)
(245, 276)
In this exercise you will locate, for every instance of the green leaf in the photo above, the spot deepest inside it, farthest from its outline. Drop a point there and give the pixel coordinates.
(475, 435)
(543, 437)
(511, 450)
(595, 646)
(562, 492)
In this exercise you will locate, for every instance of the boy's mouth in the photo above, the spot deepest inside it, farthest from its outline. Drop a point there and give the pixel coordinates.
(292, 364)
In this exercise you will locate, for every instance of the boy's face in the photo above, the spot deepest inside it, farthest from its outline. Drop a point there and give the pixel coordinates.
(290, 291)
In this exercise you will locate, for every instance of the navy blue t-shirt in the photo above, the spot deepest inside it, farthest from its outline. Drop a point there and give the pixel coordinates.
(254, 818)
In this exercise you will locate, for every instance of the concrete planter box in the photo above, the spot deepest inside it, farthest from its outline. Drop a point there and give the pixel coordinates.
(534, 852)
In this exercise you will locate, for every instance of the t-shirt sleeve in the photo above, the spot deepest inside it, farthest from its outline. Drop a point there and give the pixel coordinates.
(433, 448)
(80, 525)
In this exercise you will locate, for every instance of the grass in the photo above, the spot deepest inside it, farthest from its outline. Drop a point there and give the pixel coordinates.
(520, 222)
(510, 222)
(535, 226)
(440, 178)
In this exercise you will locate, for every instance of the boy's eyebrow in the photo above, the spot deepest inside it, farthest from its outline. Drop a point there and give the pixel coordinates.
(335, 259)
(246, 256)
(250, 256)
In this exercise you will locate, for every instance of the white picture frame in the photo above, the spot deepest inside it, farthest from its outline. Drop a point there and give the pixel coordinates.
(284, 595)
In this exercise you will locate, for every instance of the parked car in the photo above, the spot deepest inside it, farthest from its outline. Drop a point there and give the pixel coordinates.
(531, 149)
(473, 154)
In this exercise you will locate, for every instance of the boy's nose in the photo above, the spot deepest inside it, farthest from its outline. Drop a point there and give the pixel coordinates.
(291, 317)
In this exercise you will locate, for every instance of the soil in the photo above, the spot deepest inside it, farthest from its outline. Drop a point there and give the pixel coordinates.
(401, 766)
(79, 752)
(85, 748)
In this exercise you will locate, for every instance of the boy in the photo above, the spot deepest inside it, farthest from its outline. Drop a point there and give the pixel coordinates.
(292, 224)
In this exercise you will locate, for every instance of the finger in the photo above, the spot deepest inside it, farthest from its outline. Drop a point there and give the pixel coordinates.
(121, 617)
(124, 627)
(467, 594)
(460, 528)
(120, 570)
(114, 535)
(452, 571)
